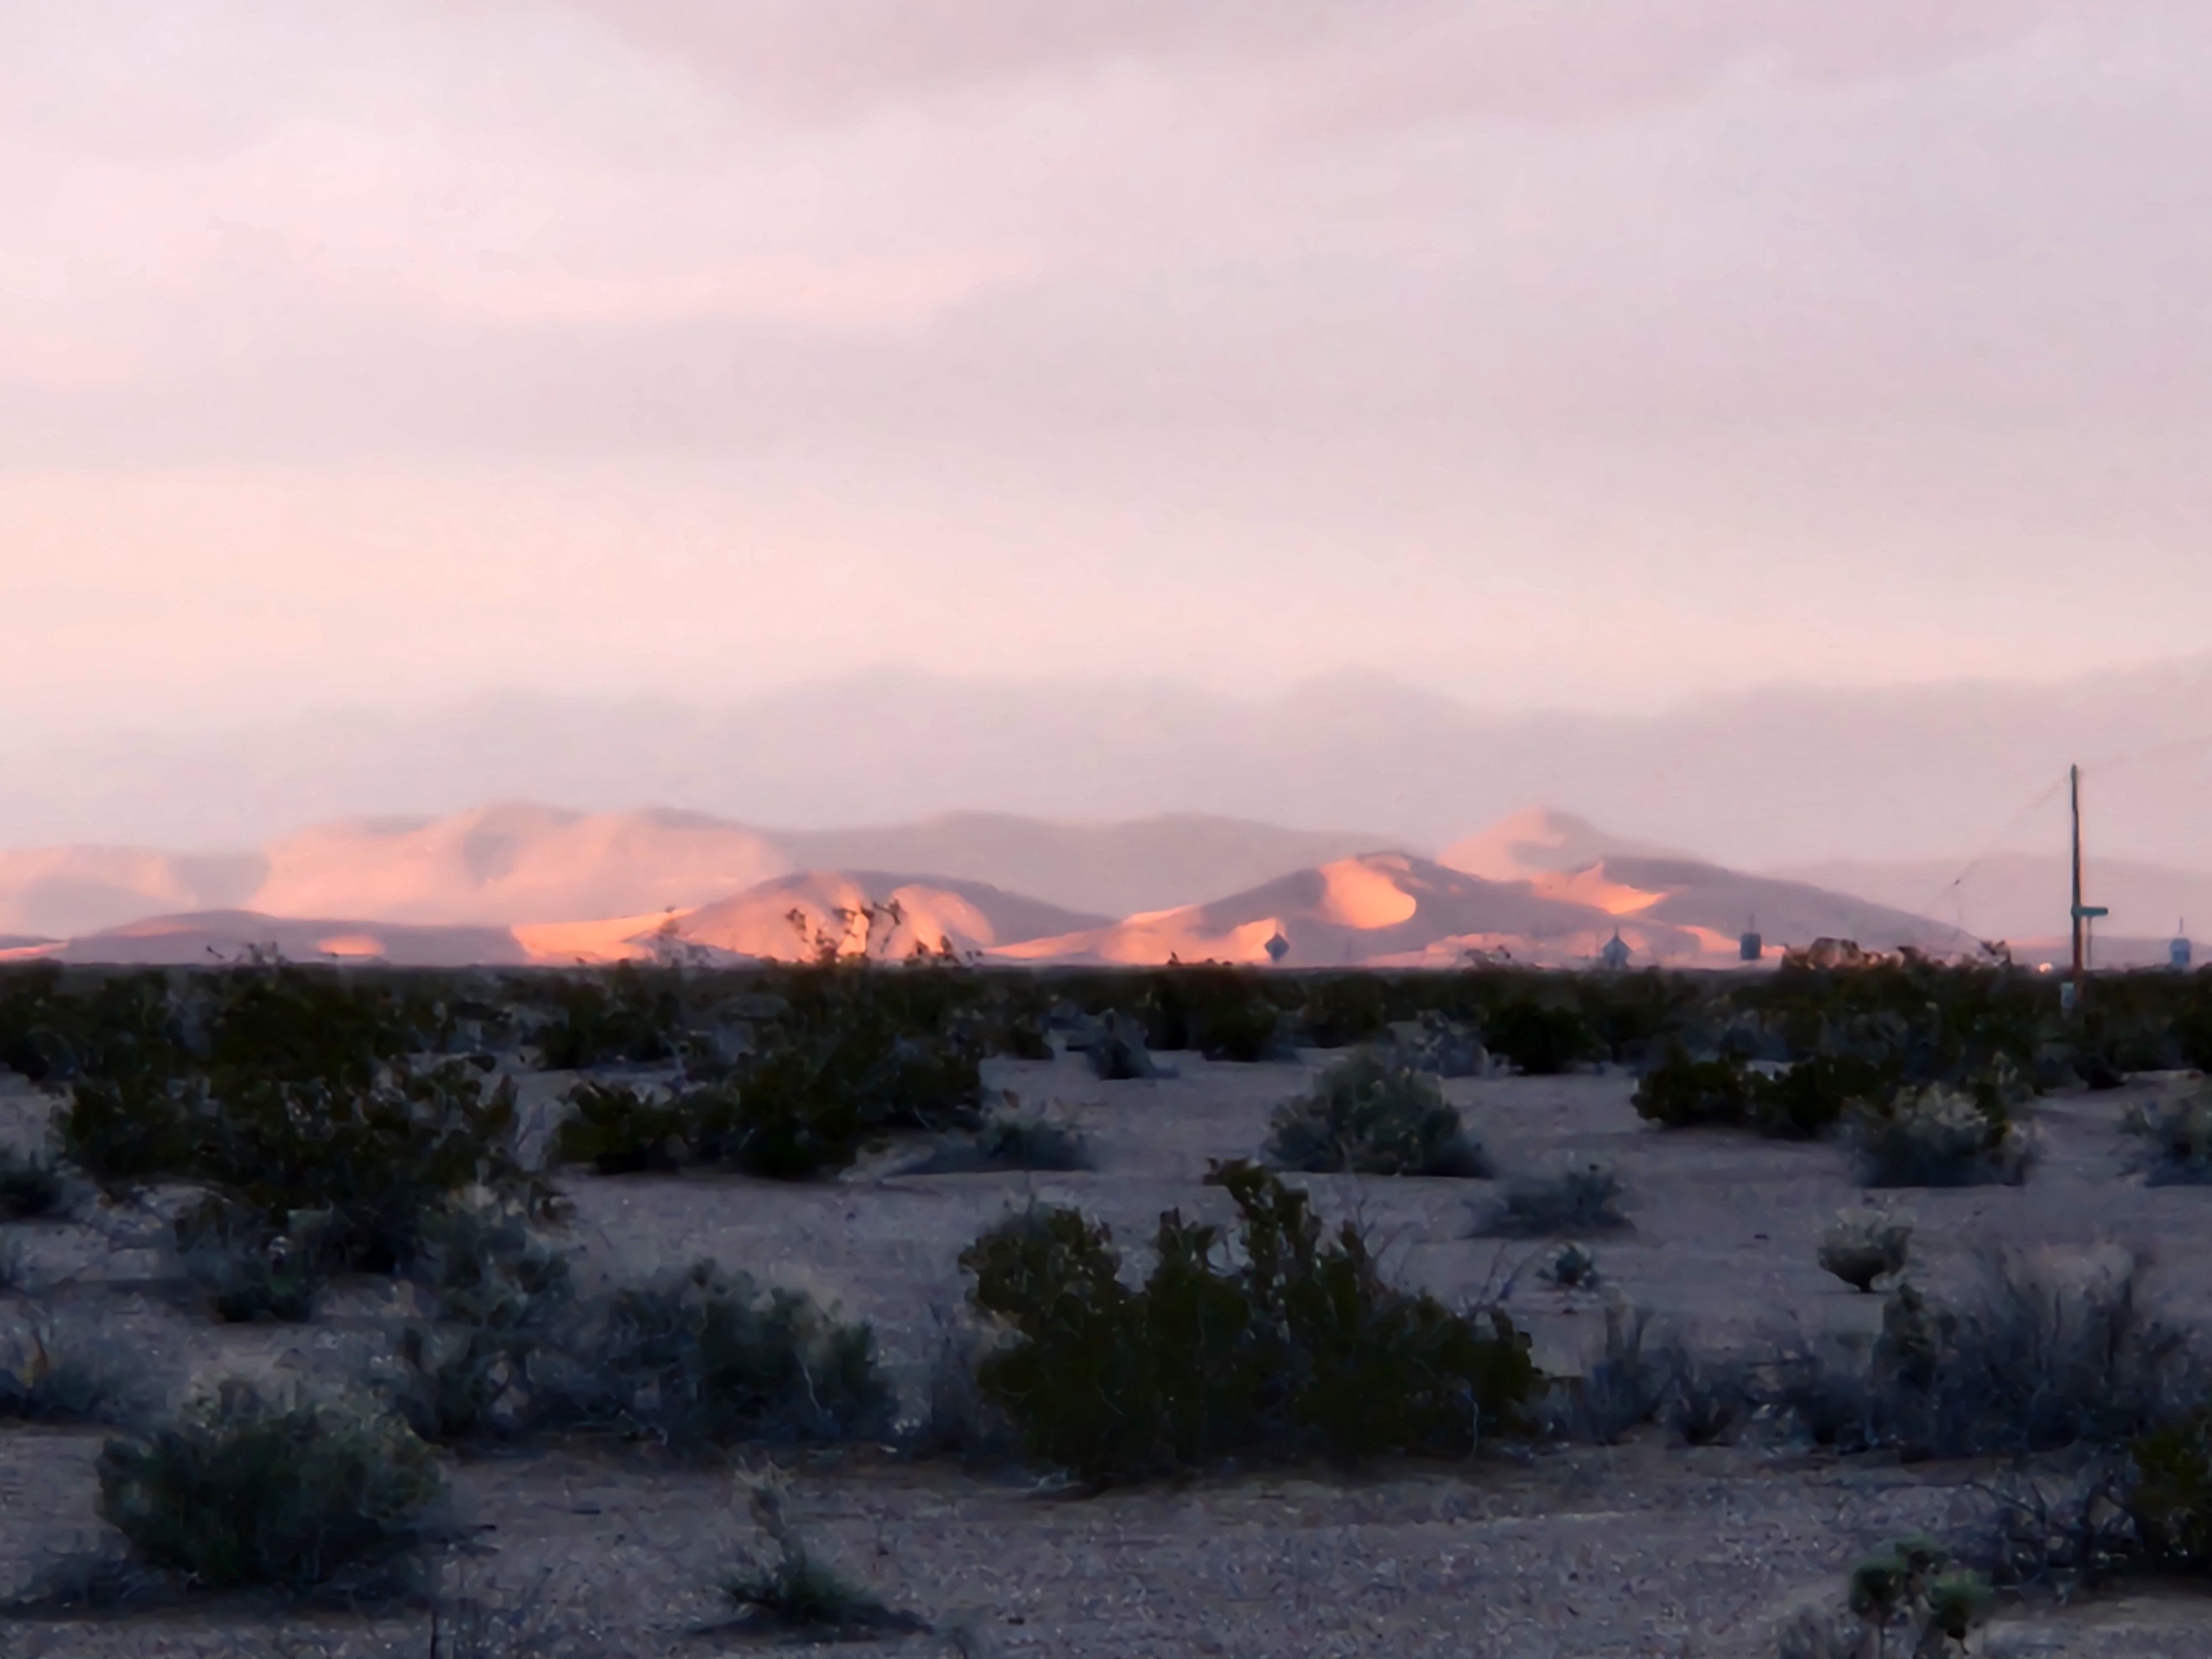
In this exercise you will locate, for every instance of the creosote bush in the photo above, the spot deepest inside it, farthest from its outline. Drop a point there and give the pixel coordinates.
(1299, 1348)
(2175, 1130)
(702, 1361)
(620, 1130)
(1223, 1013)
(1368, 1114)
(1937, 1136)
(1584, 1200)
(1684, 1093)
(502, 1297)
(2030, 1360)
(243, 1489)
(1341, 1010)
(250, 1273)
(1010, 1140)
(2168, 1495)
(1541, 1040)
(366, 1157)
(1800, 1103)
(1861, 1245)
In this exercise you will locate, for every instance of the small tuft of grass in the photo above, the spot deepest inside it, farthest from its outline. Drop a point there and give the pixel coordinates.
(1570, 1268)
(798, 1591)
(1370, 1115)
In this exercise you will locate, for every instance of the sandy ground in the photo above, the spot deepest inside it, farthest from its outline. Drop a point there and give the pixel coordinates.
(1637, 1550)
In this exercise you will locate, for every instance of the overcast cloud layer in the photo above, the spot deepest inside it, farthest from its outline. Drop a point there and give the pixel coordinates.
(382, 351)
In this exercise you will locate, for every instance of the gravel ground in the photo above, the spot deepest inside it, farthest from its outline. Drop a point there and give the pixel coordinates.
(1639, 1550)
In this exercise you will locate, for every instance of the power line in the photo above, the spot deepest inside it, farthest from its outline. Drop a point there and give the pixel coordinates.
(1983, 857)
(2202, 740)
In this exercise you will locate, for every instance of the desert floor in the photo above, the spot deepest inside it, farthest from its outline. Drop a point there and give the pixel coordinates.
(1642, 1549)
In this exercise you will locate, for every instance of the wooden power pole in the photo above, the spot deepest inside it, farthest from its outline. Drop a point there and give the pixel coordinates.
(2081, 913)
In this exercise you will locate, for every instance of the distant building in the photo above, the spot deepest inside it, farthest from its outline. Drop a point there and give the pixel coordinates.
(1615, 956)
(1751, 947)
(2179, 954)
(1278, 946)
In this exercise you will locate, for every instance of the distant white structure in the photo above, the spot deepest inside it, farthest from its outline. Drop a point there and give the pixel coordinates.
(1614, 955)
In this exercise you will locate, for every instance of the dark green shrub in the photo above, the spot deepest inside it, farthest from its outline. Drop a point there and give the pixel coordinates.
(1225, 1013)
(623, 1131)
(824, 1089)
(1246, 1032)
(1814, 1095)
(29, 1187)
(624, 1016)
(130, 1128)
(367, 1160)
(1344, 1009)
(1684, 1093)
(1302, 1349)
(244, 1490)
(1800, 1104)
(2169, 1497)
(370, 1161)
(796, 1113)
(1539, 1039)
(309, 1023)
(1369, 1115)
(704, 1360)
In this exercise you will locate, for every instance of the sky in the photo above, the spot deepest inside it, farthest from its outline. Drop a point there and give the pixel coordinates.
(1593, 354)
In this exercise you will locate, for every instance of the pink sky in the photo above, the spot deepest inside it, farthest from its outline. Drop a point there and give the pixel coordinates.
(1581, 352)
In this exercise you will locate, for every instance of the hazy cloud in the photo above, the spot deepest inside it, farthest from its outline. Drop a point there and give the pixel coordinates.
(1586, 350)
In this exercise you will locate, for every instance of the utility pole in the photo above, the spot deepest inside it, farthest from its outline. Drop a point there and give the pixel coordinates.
(2081, 956)
(2081, 913)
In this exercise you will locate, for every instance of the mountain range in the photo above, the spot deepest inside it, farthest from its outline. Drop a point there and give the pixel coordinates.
(1782, 778)
(521, 883)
